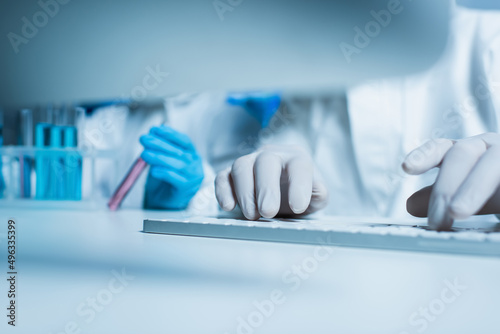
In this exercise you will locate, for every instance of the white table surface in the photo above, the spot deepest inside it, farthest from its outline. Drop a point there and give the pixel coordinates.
(202, 285)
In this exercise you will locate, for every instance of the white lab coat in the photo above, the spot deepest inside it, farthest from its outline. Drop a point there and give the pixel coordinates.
(456, 98)
(359, 141)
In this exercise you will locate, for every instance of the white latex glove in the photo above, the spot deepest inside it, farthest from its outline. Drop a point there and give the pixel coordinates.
(274, 181)
(468, 181)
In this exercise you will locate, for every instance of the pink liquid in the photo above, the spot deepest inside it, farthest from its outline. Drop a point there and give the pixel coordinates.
(127, 184)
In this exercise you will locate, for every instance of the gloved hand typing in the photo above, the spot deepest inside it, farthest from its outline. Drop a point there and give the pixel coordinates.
(176, 171)
(468, 181)
(274, 181)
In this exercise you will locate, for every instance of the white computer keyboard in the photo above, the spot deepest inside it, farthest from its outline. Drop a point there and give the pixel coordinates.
(474, 239)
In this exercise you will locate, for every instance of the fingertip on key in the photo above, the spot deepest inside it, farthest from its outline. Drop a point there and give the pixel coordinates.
(298, 209)
(251, 216)
(268, 204)
(439, 216)
(300, 202)
(267, 211)
(226, 203)
(250, 212)
(227, 207)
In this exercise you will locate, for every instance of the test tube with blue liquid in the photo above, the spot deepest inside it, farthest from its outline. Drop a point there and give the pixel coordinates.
(57, 168)
(26, 161)
(42, 157)
(42, 160)
(58, 165)
(72, 165)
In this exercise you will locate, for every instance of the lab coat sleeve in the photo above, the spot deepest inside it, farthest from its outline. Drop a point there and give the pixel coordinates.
(491, 61)
(492, 72)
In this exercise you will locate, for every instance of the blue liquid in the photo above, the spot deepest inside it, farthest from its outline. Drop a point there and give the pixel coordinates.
(73, 166)
(58, 174)
(42, 160)
(26, 166)
(57, 171)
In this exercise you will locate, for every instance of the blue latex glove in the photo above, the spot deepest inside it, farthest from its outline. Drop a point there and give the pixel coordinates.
(260, 105)
(176, 171)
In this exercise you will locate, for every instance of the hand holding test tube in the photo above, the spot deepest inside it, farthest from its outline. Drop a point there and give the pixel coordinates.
(176, 171)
